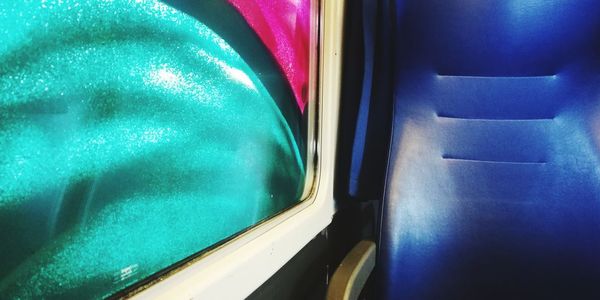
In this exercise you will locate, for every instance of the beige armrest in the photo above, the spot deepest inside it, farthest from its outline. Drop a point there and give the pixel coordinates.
(352, 274)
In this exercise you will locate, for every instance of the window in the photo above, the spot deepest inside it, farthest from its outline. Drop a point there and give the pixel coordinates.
(134, 135)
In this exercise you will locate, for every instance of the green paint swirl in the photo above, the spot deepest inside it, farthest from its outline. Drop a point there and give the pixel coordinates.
(131, 137)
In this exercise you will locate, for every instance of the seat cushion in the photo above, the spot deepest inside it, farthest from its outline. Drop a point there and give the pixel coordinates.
(493, 183)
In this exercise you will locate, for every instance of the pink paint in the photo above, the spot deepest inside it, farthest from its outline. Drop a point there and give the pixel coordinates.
(284, 27)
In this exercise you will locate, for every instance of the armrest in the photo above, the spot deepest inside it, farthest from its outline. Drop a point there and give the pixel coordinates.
(352, 274)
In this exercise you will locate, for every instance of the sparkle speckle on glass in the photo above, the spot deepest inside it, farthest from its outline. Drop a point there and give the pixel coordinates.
(131, 137)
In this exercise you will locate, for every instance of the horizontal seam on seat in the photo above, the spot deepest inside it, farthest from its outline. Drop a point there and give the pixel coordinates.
(476, 160)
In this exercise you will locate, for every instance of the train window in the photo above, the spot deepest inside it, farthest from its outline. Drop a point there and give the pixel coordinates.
(137, 135)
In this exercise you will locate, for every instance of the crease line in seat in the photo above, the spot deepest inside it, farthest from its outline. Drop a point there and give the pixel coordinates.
(444, 116)
(476, 160)
(540, 76)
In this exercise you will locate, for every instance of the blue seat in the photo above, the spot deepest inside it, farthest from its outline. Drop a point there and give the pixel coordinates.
(493, 181)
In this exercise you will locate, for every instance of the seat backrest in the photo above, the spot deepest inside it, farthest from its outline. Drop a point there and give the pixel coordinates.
(493, 183)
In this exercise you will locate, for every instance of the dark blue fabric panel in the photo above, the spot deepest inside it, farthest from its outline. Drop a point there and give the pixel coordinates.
(493, 184)
(369, 11)
(366, 106)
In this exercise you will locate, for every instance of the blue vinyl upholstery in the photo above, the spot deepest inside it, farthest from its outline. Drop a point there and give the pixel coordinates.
(493, 182)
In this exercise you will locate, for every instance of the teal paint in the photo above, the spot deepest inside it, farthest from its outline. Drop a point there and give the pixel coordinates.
(131, 137)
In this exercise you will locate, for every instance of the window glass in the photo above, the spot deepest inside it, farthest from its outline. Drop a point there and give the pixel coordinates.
(135, 134)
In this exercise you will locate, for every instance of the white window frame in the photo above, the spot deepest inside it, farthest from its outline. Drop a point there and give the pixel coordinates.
(236, 269)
